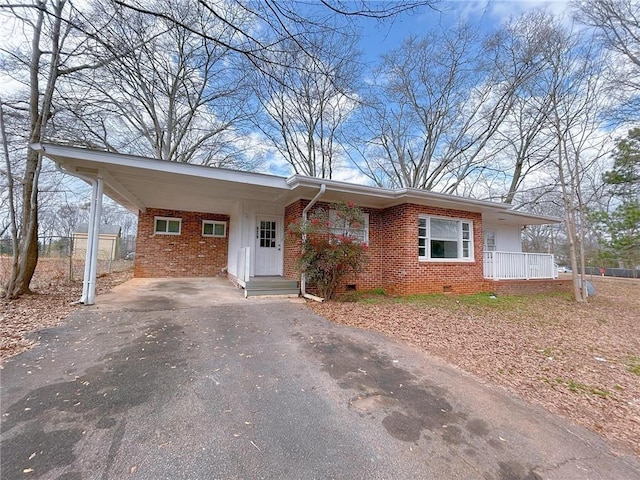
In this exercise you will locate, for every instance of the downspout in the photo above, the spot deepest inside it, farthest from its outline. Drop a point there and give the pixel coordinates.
(303, 280)
(93, 237)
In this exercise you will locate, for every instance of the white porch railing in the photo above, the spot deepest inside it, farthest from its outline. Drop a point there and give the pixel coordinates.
(244, 265)
(519, 266)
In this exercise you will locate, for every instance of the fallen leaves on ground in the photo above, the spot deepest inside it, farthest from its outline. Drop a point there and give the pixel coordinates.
(46, 307)
(580, 361)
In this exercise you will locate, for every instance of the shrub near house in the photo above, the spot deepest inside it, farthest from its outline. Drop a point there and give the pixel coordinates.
(331, 246)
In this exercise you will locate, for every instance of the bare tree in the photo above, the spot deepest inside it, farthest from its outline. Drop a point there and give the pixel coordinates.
(305, 101)
(617, 25)
(269, 24)
(575, 87)
(54, 52)
(48, 35)
(440, 100)
(522, 144)
(12, 223)
(171, 94)
(548, 238)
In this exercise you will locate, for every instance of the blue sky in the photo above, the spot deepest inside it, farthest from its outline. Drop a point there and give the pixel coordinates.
(378, 38)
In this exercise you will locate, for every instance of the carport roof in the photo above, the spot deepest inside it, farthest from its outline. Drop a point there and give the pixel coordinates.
(139, 183)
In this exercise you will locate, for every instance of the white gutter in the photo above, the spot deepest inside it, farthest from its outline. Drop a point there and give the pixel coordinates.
(397, 194)
(303, 280)
(93, 236)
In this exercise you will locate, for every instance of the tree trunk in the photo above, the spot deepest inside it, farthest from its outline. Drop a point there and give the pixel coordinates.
(12, 208)
(26, 258)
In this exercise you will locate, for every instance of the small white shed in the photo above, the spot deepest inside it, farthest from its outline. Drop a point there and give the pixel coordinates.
(108, 245)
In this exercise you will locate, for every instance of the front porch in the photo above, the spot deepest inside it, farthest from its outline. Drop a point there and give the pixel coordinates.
(519, 266)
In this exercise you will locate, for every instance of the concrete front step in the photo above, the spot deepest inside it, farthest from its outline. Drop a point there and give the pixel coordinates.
(271, 286)
(255, 293)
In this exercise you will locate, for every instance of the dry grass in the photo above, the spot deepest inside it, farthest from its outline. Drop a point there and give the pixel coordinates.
(581, 361)
(56, 271)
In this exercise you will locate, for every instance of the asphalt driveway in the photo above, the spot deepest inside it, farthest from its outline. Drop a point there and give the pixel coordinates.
(185, 379)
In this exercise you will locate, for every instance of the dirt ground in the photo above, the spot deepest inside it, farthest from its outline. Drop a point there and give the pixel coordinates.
(580, 361)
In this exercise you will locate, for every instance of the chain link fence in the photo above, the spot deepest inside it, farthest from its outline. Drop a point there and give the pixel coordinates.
(613, 272)
(62, 259)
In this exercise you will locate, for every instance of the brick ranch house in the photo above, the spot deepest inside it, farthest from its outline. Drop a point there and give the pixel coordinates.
(203, 221)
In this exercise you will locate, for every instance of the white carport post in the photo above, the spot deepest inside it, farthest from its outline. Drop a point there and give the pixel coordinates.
(93, 238)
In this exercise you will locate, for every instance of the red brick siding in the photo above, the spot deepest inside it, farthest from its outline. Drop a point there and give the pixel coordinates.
(393, 253)
(186, 255)
(369, 278)
(404, 274)
(292, 246)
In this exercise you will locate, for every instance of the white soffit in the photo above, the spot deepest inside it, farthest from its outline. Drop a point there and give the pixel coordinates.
(139, 183)
(515, 217)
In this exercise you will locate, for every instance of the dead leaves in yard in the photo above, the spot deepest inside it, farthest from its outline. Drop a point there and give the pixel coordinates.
(546, 349)
(44, 309)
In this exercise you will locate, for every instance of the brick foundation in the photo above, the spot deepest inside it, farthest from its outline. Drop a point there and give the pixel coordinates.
(186, 255)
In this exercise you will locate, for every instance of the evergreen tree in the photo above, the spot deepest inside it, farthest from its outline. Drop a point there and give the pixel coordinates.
(621, 224)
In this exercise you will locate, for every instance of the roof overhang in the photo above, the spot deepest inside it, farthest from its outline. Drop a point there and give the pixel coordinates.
(376, 197)
(138, 183)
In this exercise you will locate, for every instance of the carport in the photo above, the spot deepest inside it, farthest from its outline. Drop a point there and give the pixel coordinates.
(142, 185)
(152, 294)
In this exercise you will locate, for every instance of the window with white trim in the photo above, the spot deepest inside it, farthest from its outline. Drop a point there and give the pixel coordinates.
(213, 228)
(167, 226)
(445, 239)
(341, 227)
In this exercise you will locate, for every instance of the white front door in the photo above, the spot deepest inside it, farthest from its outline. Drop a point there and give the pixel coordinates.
(268, 246)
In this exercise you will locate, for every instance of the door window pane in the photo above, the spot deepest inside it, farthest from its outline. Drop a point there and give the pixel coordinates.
(267, 234)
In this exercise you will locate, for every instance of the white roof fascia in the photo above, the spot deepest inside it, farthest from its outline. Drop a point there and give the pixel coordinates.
(402, 195)
(533, 217)
(337, 186)
(456, 201)
(59, 153)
